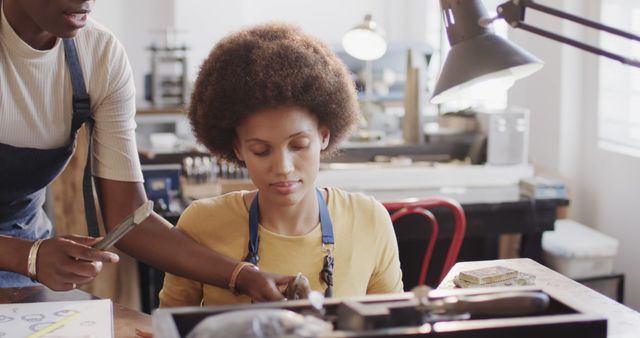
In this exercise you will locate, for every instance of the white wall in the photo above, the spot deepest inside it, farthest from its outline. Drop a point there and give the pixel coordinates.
(563, 102)
(204, 22)
(136, 23)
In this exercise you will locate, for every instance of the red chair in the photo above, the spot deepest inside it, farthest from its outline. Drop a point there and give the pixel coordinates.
(399, 210)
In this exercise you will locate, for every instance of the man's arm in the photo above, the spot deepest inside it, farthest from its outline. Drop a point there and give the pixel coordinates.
(61, 263)
(13, 254)
(158, 244)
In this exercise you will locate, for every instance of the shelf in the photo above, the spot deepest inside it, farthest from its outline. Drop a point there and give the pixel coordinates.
(144, 109)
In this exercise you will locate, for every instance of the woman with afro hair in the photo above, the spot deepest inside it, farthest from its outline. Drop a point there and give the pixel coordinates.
(276, 100)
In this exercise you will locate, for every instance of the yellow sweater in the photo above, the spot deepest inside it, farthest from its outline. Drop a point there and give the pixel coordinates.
(366, 251)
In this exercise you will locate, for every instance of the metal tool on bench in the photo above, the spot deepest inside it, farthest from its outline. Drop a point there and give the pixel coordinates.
(421, 309)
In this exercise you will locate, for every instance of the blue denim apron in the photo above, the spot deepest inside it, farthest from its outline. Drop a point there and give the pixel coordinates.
(26, 172)
(326, 274)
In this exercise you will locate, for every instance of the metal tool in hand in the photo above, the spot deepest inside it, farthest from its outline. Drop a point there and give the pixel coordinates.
(298, 288)
(137, 217)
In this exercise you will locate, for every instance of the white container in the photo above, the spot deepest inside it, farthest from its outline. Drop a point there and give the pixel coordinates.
(578, 251)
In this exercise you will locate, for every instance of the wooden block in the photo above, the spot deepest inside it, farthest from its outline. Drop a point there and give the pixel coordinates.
(488, 275)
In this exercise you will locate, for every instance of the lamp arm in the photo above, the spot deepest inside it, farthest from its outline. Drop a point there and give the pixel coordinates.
(586, 22)
(581, 45)
(513, 13)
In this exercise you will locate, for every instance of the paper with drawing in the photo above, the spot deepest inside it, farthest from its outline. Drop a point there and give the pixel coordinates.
(73, 319)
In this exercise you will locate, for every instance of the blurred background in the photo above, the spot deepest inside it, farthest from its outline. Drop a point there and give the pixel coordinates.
(577, 121)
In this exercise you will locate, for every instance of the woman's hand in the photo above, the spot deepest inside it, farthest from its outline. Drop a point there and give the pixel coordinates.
(65, 262)
(298, 288)
(263, 286)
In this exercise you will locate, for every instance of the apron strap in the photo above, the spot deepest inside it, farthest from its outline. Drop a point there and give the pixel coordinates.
(81, 100)
(82, 113)
(325, 220)
(254, 239)
(326, 274)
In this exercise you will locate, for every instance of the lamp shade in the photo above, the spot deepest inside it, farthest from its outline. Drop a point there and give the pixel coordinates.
(479, 60)
(365, 41)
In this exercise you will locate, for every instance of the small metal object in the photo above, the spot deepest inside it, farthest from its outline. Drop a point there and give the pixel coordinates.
(137, 217)
(298, 288)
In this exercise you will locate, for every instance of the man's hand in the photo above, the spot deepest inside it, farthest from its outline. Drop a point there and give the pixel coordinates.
(263, 286)
(65, 262)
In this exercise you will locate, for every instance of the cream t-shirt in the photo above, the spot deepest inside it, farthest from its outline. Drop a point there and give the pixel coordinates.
(366, 251)
(35, 97)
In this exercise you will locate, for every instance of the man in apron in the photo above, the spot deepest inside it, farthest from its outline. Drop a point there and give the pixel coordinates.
(59, 69)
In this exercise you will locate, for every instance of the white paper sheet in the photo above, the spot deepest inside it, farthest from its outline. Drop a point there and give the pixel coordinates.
(73, 319)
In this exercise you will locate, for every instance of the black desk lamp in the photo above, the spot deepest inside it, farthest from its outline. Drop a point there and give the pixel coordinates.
(478, 56)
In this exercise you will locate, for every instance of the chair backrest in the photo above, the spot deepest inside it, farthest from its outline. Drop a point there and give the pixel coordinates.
(399, 210)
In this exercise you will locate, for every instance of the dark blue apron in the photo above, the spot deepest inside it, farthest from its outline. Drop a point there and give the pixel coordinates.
(326, 274)
(26, 172)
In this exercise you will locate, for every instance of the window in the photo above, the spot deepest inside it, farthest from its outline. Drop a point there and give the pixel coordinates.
(619, 87)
